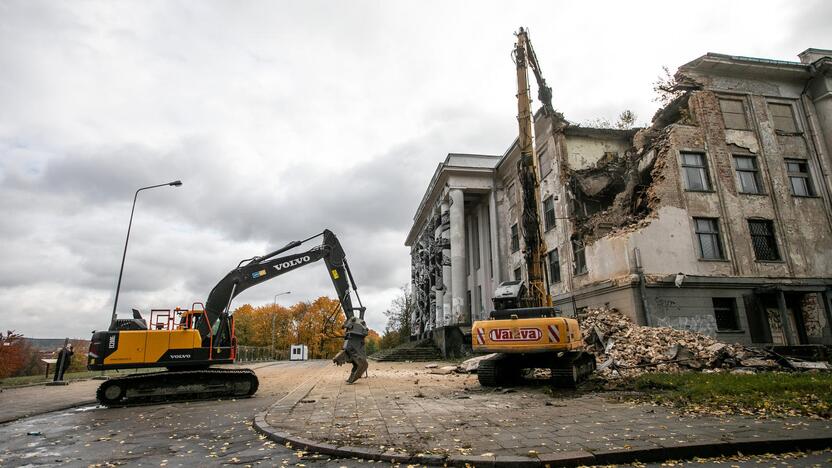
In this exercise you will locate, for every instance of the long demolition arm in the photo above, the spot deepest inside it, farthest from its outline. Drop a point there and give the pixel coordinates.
(528, 170)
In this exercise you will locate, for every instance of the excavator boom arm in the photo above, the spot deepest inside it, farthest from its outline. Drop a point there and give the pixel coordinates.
(254, 271)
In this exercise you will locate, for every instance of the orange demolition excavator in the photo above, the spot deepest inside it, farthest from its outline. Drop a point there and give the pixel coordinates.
(524, 329)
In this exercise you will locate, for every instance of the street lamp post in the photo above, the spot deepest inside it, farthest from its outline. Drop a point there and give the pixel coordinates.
(175, 183)
(274, 314)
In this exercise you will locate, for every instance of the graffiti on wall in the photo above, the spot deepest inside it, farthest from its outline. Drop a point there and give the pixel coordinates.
(704, 324)
(813, 318)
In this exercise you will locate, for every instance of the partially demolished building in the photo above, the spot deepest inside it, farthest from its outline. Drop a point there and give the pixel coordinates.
(717, 218)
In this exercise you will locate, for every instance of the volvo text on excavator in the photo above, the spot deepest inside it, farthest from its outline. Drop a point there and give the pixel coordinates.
(189, 342)
(524, 329)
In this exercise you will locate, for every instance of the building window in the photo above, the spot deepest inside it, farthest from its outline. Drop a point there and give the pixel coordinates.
(733, 114)
(707, 234)
(545, 161)
(549, 213)
(748, 176)
(696, 172)
(762, 238)
(725, 313)
(518, 274)
(783, 118)
(515, 238)
(512, 196)
(554, 266)
(800, 181)
(580, 256)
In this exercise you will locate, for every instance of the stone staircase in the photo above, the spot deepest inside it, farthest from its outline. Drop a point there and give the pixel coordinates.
(423, 350)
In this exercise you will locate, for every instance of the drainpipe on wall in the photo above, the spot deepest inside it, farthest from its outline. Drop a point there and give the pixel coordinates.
(644, 310)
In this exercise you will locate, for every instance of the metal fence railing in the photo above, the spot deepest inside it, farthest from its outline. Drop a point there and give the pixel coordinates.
(260, 353)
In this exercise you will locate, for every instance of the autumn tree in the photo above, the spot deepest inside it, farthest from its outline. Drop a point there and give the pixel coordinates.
(317, 324)
(398, 328)
(13, 353)
(372, 343)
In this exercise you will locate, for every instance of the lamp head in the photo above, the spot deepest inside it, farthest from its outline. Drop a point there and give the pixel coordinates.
(175, 183)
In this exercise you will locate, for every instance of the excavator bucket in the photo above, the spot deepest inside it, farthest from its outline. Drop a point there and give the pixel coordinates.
(353, 353)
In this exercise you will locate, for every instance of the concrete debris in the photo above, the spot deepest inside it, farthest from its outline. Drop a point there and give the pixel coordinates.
(471, 365)
(624, 349)
(443, 370)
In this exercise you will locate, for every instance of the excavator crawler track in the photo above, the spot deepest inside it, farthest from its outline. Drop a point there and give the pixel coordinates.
(569, 369)
(163, 387)
(498, 371)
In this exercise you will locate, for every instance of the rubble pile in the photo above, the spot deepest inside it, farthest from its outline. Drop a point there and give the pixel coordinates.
(624, 349)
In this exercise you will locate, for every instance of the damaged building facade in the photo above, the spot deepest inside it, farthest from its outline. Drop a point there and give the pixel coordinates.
(716, 218)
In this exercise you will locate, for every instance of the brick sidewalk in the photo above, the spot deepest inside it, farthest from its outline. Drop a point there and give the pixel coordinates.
(403, 407)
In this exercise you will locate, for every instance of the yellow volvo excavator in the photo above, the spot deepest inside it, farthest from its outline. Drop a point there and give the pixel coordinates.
(188, 342)
(524, 329)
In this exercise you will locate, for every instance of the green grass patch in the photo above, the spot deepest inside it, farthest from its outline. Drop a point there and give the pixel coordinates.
(69, 376)
(763, 394)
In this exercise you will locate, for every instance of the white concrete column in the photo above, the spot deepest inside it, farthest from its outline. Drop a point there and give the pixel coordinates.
(495, 241)
(458, 276)
(444, 317)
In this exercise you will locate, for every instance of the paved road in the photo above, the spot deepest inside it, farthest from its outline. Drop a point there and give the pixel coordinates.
(208, 433)
(211, 433)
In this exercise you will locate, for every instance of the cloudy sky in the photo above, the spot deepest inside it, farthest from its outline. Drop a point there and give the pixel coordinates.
(283, 118)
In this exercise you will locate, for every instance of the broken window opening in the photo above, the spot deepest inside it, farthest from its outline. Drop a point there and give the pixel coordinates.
(748, 175)
(549, 213)
(554, 267)
(579, 252)
(695, 168)
(763, 240)
(782, 117)
(725, 313)
(544, 159)
(800, 181)
(518, 274)
(707, 234)
(733, 114)
(515, 238)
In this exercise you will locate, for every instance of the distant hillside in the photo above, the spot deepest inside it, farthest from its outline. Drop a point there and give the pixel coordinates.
(51, 344)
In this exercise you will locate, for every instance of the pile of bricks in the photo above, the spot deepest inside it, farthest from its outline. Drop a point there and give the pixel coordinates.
(624, 349)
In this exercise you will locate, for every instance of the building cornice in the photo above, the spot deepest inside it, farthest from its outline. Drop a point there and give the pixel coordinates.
(450, 166)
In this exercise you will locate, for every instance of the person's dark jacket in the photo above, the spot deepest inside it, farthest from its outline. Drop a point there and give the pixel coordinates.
(65, 358)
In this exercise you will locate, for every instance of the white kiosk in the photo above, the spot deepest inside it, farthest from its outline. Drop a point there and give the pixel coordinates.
(298, 353)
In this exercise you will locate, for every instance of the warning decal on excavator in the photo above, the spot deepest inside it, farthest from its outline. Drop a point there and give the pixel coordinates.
(258, 274)
(554, 334)
(335, 274)
(522, 334)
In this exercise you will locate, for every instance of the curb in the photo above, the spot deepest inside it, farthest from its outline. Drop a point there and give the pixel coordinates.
(50, 410)
(572, 458)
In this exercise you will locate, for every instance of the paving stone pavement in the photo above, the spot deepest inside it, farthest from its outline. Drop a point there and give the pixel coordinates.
(403, 407)
(16, 403)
